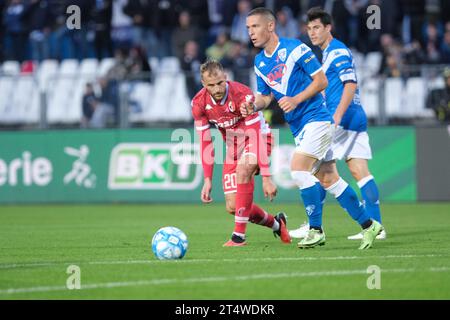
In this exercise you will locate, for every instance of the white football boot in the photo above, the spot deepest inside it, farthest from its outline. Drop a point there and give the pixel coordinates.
(301, 232)
(381, 236)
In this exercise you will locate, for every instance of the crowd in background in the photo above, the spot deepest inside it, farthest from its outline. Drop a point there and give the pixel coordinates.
(413, 32)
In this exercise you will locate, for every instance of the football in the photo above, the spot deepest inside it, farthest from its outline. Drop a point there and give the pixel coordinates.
(169, 243)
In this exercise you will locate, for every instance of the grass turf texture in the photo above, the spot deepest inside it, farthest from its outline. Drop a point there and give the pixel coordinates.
(110, 243)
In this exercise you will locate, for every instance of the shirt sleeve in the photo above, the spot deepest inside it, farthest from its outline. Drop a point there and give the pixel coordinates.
(261, 85)
(345, 69)
(307, 60)
(206, 146)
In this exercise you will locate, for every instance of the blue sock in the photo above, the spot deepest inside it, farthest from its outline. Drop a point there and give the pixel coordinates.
(313, 207)
(348, 200)
(369, 192)
(323, 194)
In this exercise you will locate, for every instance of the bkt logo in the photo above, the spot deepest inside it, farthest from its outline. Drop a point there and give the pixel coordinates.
(276, 74)
(163, 166)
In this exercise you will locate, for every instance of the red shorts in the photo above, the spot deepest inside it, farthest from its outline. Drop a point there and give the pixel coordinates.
(229, 181)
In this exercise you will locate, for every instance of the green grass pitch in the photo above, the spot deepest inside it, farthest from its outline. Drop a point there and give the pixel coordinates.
(110, 244)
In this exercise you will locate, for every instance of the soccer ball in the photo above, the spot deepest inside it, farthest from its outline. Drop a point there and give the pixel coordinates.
(169, 243)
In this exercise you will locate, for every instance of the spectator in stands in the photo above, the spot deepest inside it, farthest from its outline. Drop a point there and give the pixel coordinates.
(239, 62)
(432, 44)
(2, 7)
(102, 15)
(166, 15)
(445, 47)
(139, 68)
(220, 14)
(15, 30)
(439, 99)
(40, 19)
(185, 32)
(190, 64)
(68, 43)
(122, 26)
(107, 110)
(89, 103)
(220, 48)
(287, 26)
(239, 25)
(144, 33)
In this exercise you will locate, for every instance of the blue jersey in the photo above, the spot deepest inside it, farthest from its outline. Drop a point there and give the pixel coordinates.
(339, 68)
(287, 72)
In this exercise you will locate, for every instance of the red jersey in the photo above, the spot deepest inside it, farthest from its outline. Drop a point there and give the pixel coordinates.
(226, 116)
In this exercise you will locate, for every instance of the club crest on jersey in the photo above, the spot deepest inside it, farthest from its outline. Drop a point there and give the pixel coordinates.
(208, 107)
(231, 107)
(282, 54)
(276, 74)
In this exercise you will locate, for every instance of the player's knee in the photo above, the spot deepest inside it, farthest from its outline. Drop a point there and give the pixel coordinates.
(358, 170)
(303, 179)
(244, 172)
(328, 175)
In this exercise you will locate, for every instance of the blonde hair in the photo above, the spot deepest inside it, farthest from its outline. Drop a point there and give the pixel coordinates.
(211, 66)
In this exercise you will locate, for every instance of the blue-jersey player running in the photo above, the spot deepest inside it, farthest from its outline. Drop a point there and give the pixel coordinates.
(351, 141)
(288, 71)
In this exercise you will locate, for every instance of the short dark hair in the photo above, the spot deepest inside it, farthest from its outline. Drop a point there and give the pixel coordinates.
(261, 11)
(318, 13)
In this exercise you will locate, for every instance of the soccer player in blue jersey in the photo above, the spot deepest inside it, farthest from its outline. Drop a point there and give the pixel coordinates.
(351, 141)
(288, 71)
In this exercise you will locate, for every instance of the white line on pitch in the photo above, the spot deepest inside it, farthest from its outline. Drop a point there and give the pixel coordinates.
(217, 279)
(55, 263)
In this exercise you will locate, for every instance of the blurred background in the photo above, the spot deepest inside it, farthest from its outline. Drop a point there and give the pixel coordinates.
(139, 59)
(134, 64)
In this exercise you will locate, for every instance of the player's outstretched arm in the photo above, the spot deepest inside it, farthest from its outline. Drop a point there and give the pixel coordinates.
(318, 84)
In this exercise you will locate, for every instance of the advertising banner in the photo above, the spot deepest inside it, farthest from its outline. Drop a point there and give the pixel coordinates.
(163, 166)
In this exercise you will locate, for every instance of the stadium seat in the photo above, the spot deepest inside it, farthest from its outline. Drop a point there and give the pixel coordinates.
(61, 93)
(140, 102)
(26, 101)
(154, 63)
(161, 99)
(416, 92)
(180, 105)
(370, 97)
(170, 64)
(372, 62)
(393, 98)
(47, 70)
(7, 110)
(358, 58)
(105, 65)
(10, 67)
(89, 67)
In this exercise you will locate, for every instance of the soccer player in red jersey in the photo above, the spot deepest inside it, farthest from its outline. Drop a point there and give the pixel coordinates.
(248, 146)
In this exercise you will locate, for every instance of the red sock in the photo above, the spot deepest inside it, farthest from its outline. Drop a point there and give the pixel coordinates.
(244, 201)
(261, 217)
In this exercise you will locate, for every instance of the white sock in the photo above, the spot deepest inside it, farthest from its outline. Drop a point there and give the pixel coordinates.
(276, 225)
